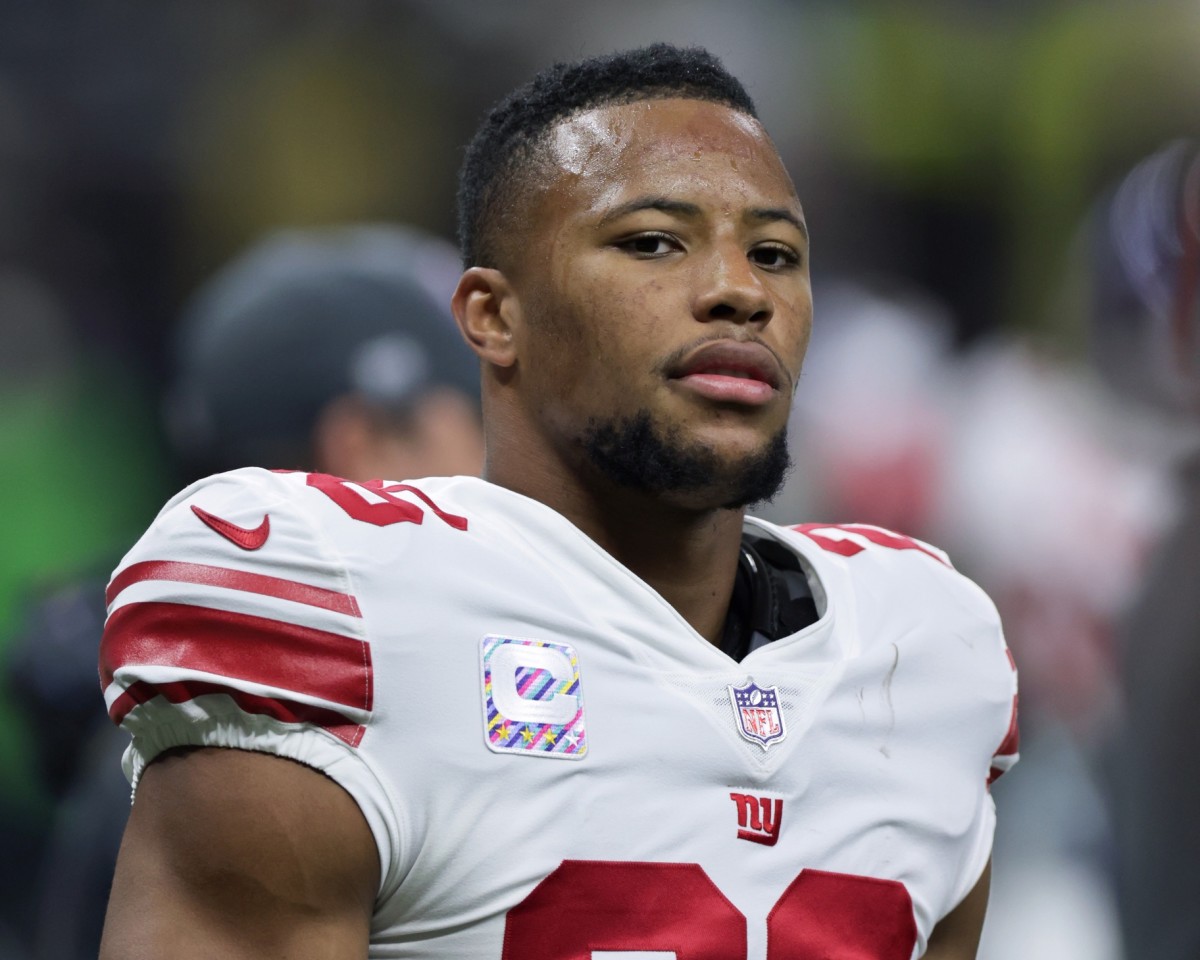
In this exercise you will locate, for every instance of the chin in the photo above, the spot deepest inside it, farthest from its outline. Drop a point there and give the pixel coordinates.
(692, 473)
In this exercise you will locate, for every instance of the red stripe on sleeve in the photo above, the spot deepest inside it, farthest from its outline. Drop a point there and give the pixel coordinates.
(180, 572)
(1012, 739)
(239, 646)
(287, 711)
(1008, 746)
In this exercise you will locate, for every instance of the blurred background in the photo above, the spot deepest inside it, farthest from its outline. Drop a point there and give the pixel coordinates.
(1005, 208)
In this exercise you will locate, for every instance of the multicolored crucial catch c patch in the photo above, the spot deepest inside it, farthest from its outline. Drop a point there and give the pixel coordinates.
(532, 700)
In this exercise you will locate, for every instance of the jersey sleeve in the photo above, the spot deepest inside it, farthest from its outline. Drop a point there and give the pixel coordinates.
(994, 687)
(233, 623)
(1004, 755)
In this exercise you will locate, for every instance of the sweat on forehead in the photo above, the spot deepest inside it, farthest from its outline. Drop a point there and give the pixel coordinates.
(575, 142)
(508, 151)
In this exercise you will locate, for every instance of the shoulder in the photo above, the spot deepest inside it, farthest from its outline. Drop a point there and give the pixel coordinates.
(258, 576)
(243, 532)
(234, 593)
(262, 517)
(244, 598)
(880, 566)
(891, 590)
(239, 514)
(885, 588)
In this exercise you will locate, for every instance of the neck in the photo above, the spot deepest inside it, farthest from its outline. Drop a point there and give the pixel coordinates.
(688, 555)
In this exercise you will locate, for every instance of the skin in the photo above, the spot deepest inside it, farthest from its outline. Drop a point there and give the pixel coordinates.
(669, 225)
(956, 937)
(230, 855)
(672, 223)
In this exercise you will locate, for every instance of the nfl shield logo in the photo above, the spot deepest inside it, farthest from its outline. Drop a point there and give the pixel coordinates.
(758, 715)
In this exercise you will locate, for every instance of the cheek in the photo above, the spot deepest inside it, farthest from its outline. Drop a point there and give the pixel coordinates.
(798, 328)
(609, 327)
(804, 329)
(613, 325)
(628, 337)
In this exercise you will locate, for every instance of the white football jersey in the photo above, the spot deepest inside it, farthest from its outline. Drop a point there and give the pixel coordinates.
(554, 764)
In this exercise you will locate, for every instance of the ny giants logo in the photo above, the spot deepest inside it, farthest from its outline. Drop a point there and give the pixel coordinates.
(758, 818)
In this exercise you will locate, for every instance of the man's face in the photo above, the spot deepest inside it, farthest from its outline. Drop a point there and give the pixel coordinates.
(664, 288)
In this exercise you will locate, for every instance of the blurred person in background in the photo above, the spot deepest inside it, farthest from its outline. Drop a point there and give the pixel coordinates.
(1145, 249)
(328, 349)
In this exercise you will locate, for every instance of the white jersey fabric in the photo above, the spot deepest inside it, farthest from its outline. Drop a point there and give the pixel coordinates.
(554, 764)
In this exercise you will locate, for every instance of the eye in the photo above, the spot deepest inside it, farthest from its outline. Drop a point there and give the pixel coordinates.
(649, 245)
(774, 256)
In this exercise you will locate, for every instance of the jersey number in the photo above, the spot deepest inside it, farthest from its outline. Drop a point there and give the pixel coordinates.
(592, 909)
(378, 502)
(832, 537)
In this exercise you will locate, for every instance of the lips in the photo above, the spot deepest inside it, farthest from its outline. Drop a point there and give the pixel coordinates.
(731, 371)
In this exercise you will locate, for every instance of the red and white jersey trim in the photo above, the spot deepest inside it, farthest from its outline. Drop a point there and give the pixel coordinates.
(1008, 752)
(177, 571)
(281, 648)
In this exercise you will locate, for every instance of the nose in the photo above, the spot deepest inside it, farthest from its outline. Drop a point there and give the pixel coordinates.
(731, 288)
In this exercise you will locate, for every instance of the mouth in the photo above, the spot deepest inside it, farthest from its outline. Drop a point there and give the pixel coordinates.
(730, 371)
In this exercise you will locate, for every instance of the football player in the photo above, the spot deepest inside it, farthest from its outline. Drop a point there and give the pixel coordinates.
(583, 707)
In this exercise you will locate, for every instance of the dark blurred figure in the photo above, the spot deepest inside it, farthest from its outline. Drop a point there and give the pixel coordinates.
(330, 350)
(1146, 261)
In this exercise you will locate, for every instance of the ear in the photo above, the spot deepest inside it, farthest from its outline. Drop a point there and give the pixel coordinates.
(486, 309)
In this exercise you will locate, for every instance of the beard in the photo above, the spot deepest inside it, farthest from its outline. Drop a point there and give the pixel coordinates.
(634, 454)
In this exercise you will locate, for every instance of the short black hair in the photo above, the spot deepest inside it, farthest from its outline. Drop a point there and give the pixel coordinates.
(503, 152)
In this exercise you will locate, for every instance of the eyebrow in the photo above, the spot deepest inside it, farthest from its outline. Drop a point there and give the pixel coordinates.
(684, 209)
(772, 214)
(665, 204)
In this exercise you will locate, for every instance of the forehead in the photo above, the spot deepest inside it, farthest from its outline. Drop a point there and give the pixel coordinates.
(672, 146)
